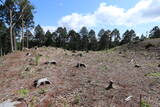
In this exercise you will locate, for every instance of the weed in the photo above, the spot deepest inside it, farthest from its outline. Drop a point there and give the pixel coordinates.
(47, 57)
(33, 102)
(37, 57)
(111, 50)
(42, 91)
(1, 61)
(23, 92)
(103, 68)
(50, 105)
(155, 74)
(76, 100)
(145, 104)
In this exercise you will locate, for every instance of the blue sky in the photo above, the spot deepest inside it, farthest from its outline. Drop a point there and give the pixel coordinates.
(140, 15)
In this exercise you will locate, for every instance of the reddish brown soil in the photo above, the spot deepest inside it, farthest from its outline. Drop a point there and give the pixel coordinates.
(83, 87)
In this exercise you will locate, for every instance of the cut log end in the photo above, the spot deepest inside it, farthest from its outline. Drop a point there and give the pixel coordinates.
(110, 86)
(80, 65)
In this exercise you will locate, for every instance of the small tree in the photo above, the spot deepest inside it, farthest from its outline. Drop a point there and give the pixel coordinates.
(128, 36)
(39, 35)
(155, 32)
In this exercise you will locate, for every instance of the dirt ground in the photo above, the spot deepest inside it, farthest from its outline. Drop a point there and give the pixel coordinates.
(83, 87)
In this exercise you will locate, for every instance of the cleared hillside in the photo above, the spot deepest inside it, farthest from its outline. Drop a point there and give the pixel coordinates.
(133, 68)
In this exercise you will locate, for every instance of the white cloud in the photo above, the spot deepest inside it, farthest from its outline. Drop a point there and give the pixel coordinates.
(50, 28)
(145, 11)
(76, 21)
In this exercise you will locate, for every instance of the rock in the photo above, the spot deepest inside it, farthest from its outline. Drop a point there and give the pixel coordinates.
(80, 65)
(42, 81)
(159, 65)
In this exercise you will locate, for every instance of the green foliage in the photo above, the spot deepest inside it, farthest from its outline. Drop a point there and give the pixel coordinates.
(155, 74)
(128, 36)
(42, 91)
(23, 92)
(37, 58)
(33, 102)
(77, 99)
(13, 13)
(145, 104)
(105, 40)
(92, 40)
(4, 39)
(104, 68)
(74, 40)
(101, 32)
(155, 32)
(39, 35)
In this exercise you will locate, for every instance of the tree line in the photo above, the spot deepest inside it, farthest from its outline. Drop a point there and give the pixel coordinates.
(16, 23)
(85, 39)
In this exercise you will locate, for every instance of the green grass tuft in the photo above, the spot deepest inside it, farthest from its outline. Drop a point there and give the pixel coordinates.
(37, 57)
(145, 104)
(23, 92)
(155, 74)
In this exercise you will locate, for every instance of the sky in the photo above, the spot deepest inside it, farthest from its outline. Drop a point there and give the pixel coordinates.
(139, 15)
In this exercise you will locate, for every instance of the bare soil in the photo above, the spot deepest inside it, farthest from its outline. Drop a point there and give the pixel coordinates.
(83, 87)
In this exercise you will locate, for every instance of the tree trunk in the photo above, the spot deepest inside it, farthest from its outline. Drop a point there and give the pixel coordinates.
(27, 38)
(27, 42)
(22, 42)
(11, 29)
(1, 52)
(15, 42)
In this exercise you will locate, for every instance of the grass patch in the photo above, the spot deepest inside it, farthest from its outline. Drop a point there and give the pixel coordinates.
(76, 100)
(33, 102)
(43, 91)
(23, 92)
(103, 68)
(112, 49)
(145, 104)
(1, 61)
(37, 58)
(155, 74)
